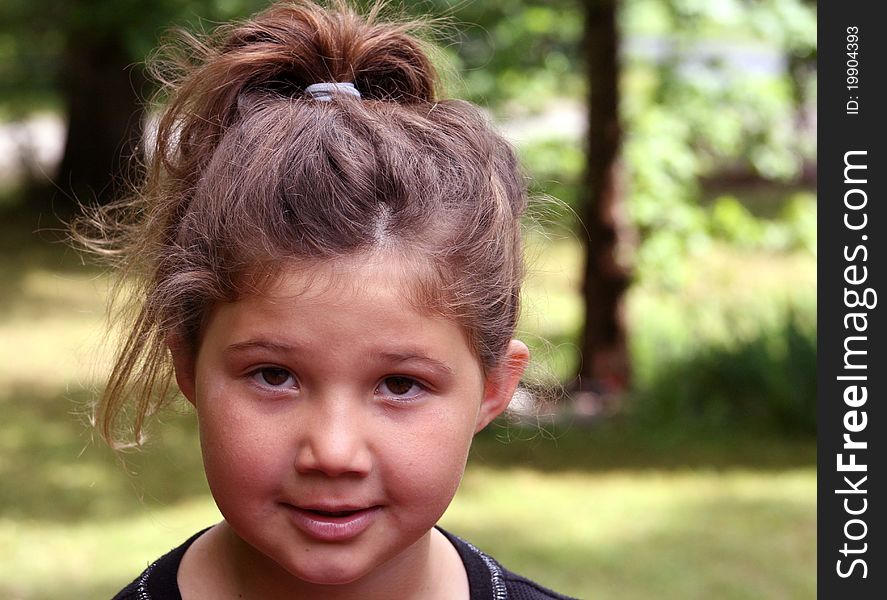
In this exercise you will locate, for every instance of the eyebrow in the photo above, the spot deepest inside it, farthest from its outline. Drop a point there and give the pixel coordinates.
(415, 357)
(259, 344)
(387, 356)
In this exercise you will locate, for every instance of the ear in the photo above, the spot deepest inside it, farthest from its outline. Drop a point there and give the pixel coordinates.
(501, 383)
(183, 360)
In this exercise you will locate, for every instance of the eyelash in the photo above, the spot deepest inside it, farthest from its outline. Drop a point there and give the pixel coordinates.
(258, 376)
(418, 385)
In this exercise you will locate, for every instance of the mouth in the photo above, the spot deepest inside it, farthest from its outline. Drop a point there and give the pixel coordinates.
(332, 508)
(345, 512)
(341, 512)
(332, 523)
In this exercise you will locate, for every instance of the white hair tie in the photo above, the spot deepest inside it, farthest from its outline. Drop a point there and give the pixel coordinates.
(323, 92)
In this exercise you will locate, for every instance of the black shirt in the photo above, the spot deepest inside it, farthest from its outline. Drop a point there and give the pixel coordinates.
(487, 579)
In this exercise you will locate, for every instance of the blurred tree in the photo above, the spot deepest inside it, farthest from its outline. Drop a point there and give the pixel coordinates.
(101, 91)
(84, 57)
(605, 361)
(713, 87)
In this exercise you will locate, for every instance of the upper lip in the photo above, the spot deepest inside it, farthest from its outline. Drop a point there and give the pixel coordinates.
(329, 507)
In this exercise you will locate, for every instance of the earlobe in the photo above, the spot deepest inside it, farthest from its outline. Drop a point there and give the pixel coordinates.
(502, 382)
(183, 363)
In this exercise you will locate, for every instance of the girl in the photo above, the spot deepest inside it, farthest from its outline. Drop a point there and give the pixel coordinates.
(330, 268)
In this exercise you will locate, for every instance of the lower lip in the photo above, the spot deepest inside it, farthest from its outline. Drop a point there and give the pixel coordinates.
(333, 529)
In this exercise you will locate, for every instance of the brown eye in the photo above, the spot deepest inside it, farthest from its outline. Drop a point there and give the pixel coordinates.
(398, 386)
(274, 376)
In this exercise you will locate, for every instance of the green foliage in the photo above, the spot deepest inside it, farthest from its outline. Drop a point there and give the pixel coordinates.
(764, 382)
(35, 37)
(663, 170)
(734, 349)
(793, 229)
(732, 221)
(673, 229)
(799, 216)
(514, 54)
(693, 109)
(555, 168)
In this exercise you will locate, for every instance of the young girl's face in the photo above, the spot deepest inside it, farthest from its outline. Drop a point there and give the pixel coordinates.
(336, 418)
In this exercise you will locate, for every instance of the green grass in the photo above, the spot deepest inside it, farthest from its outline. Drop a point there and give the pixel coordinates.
(597, 512)
(647, 534)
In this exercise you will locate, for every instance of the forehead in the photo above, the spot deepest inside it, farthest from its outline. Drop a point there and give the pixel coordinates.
(379, 285)
(344, 280)
(341, 314)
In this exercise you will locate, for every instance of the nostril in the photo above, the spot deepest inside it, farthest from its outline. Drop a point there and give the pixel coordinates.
(333, 456)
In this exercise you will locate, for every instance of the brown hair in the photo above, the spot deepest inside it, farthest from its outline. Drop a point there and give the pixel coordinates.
(247, 173)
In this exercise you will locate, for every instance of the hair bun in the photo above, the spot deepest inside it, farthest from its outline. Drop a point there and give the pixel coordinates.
(293, 45)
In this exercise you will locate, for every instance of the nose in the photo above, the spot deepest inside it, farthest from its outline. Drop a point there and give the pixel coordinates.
(334, 441)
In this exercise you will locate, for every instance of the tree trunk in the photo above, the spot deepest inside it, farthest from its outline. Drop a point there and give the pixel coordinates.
(605, 366)
(101, 91)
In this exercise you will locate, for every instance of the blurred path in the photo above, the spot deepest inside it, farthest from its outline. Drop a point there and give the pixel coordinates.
(34, 145)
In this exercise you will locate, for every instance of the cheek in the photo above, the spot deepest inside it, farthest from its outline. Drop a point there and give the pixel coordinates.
(238, 454)
(425, 464)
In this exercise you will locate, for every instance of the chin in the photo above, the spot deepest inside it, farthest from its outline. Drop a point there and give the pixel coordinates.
(327, 573)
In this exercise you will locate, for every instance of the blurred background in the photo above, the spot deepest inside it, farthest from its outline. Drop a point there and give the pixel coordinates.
(671, 295)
